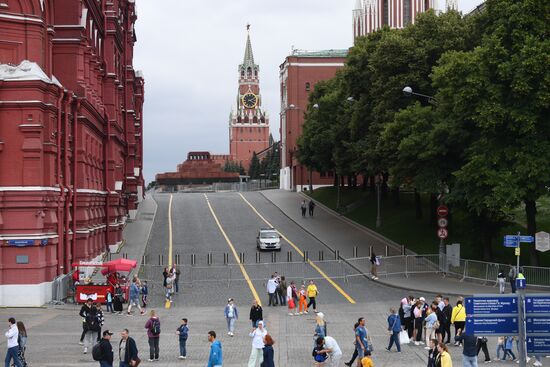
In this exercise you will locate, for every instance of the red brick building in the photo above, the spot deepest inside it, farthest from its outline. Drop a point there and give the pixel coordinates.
(298, 75)
(70, 138)
(248, 123)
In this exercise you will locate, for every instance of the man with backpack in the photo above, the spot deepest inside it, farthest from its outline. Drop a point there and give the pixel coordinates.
(84, 310)
(103, 352)
(92, 326)
(153, 333)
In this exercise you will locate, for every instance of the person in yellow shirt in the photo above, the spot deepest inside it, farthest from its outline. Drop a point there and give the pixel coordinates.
(443, 359)
(366, 361)
(312, 293)
(458, 317)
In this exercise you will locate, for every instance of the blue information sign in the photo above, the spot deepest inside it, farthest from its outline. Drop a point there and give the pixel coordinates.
(538, 345)
(487, 305)
(537, 324)
(21, 243)
(537, 304)
(511, 241)
(521, 283)
(527, 239)
(486, 325)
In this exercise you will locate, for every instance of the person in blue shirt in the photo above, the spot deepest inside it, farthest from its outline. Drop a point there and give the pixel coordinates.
(394, 327)
(361, 342)
(144, 294)
(215, 359)
(134, 297)
(183, 332)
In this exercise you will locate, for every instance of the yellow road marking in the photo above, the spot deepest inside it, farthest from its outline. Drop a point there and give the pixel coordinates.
(170, 232)
(313, 265)
(243, 270)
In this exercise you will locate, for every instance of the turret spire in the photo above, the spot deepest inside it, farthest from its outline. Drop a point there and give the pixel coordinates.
(248, 55)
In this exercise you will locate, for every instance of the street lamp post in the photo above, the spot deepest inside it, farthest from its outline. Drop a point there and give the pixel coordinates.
(408, 91)
(378, 210)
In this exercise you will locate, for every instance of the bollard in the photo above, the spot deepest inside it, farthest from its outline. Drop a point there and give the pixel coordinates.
(273, 257)
(193, 259)
(258, 257)
(143, 260)
(241, 257)
(403, 250)
(225, 258)
(355, 252)
(209, 258)
(306, 256)
(337, 255)
(289, 256)
(321, 256)
(160, 259)
(371, 250)
(387, 252)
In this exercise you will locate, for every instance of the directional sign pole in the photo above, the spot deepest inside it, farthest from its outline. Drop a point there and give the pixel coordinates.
(521, 327)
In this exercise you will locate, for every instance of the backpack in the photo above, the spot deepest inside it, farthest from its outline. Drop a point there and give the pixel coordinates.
(155, 327)
(92, 322)
(97, 353)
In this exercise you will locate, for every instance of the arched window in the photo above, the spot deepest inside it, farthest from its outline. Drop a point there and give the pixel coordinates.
(239, 119)
(249, 73)
(308, 87)
(255, 120)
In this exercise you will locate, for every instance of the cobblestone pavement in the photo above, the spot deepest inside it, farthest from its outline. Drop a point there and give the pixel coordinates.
(54, 331)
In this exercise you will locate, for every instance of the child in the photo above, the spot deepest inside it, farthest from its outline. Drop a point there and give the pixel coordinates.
(144, 293)
(508, 344)
(109, 301)
(302, 302)
(319, 358)
(500, 346)
(367, 361)
(183, 332)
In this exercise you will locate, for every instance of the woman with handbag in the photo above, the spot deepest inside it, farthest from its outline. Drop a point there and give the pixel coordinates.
(290, 300)
(394, 328)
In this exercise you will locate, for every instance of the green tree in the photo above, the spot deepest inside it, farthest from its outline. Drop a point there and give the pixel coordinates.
(254, 169)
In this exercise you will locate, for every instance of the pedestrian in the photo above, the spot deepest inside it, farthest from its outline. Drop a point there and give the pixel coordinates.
(408, 319)
(311, 207)
(281, 290)
(508, 345)
(109, 301)
(118, 300)
(319, 356)
(417, 315)
(278, 285)
(153, 335)
(432, 353)
(291, 299)
(165, 273)
(177, 274)
(312, 293)
(448, 312)
(443, 358)
(256, 313)
(458, 318)
(394, 328)
(134, 297)
(13, 345)
(432, 324)
(183, 333)
(482, 344)
(361, 342)
(374, 261)
(100, 320)
(469, 348)
(354, 355)
(92, 328)
(268, 352)
(215, 358)
(501, 347)
(302, 303)
(22, 341)
(127, 350)
(512, 276)
(304, 208)
(366, 361)
(256, 354)
(501, 279)
(438, 308)
(329, 346)
(271, 288)
(144, 294)
(231, 315)
(84, 310)
(106, 350)
(169, 289)
(320, 327)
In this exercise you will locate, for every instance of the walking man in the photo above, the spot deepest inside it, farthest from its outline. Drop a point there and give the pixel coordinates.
(512, 275)
(84, 310)
(311, 207)
(256, 313)
(361, 342)
(13, 345)
(272, 290)
(134, 297)
(469, 351)
(127, 350)
(304, 208)
(106, 350)
(394, 327)
(215, 359)
(231, 315)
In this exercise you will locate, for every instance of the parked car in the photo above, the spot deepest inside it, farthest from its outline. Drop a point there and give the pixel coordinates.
(268, 239)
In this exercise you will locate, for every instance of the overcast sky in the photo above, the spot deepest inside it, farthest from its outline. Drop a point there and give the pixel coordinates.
(189, 51)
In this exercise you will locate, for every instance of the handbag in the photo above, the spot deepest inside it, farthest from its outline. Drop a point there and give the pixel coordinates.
(135, 362)
(404, 337)
(291, 303)
(369, 342)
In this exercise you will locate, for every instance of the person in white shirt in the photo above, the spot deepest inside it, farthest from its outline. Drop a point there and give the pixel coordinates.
(272, 291)
(257, 353)
(331, 347)
(13, 345)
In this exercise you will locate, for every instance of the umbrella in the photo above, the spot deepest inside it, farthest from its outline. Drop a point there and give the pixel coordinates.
(118, 265)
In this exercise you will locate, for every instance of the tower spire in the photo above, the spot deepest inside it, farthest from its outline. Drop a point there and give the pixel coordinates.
(248, 55)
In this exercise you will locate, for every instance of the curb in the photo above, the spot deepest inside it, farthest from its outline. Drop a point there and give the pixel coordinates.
(138, 267)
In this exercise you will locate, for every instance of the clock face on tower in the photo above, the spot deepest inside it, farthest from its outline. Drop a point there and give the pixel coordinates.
(250, 100)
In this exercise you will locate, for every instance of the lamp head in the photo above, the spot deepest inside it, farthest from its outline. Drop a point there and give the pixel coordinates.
(407, 91)
(316, 106)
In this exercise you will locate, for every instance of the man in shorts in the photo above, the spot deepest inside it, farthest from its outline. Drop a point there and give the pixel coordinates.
(361, 343)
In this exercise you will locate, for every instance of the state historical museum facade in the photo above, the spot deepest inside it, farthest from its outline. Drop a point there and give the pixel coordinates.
(70, 138)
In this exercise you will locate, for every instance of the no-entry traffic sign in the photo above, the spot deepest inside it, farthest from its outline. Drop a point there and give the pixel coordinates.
(442, 233)
(442, 211)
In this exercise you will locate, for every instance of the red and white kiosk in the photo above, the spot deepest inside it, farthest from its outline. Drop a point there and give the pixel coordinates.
(115, 272)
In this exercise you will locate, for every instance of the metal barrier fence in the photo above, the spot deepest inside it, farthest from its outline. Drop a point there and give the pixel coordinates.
(60, 288)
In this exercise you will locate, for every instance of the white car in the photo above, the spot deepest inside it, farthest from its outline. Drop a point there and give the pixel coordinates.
(268, 239)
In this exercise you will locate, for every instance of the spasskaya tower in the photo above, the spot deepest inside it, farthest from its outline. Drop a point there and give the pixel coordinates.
(248, 123)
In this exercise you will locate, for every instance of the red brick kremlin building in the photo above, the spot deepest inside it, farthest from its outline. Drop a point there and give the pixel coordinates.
(70, 138)
(248, 133)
